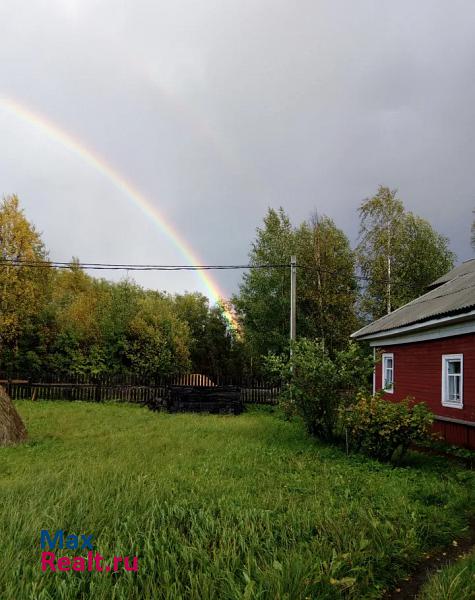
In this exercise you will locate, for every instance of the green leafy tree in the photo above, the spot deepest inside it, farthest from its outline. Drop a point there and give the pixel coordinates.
(117, 307)
(425, 256)
(75, 341)
(23, 290)
(67, 321)
(157, 340)
(224, 347)
(84, 326)
(194, 310)
(214, 347)
(399, 253)
(263, 303)
(326, 286)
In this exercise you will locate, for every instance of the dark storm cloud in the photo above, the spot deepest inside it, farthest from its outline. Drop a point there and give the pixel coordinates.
(216, 110)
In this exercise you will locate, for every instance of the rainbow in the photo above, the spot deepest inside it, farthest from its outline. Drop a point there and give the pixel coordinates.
(53, 131)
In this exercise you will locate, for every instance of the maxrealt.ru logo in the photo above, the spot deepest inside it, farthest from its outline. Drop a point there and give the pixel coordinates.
(93, 561)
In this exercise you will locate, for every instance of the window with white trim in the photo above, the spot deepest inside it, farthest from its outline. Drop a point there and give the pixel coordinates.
(452, 380)
(388, 373)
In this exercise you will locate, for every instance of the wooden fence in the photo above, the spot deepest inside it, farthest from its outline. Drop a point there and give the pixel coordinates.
(130, 388)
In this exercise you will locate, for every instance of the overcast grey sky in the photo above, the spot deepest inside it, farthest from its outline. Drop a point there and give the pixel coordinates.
(216, 110)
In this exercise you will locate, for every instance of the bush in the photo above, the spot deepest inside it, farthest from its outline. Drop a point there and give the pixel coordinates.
(383, 429)
(317, 384)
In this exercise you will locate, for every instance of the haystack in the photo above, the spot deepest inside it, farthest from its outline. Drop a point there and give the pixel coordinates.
(12, 429)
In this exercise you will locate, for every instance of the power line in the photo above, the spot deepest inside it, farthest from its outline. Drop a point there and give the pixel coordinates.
(99, 266)
(153, 267)
(131, 267)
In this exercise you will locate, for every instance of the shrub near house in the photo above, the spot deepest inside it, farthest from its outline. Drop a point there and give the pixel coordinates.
(317, 384)
(330, 393)
(383, 430)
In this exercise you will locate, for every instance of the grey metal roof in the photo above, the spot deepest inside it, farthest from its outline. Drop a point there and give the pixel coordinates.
(455, 296)
(466, 267)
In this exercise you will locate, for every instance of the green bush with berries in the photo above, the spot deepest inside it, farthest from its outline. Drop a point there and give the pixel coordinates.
(383, 429)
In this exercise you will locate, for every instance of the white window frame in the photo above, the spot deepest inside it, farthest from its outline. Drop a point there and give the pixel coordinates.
(445, 372)
(387, 390)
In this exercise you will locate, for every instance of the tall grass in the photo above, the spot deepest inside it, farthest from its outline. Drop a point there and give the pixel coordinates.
(214, 507)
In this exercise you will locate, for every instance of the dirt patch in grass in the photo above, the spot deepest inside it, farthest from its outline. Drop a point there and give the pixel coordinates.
(409, 588)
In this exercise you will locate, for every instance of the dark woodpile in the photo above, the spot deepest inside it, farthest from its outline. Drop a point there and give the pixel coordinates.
(216, 399)
(158, 401)
(12, 429)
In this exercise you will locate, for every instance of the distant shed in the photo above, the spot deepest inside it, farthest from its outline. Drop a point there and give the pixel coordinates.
(195, 380)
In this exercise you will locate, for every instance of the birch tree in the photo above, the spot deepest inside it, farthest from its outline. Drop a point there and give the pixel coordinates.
(326, 288)
(399, 254)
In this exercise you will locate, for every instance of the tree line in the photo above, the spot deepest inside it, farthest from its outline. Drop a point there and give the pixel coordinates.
(339, 288)
(67, 321)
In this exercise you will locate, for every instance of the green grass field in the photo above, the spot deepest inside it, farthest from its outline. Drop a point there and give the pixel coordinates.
(214, 507)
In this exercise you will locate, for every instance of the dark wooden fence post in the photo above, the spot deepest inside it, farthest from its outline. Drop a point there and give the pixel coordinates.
(97, 392)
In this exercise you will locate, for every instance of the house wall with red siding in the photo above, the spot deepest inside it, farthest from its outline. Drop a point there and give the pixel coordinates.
(418, 373)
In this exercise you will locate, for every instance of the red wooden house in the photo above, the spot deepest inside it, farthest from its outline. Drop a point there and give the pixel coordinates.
(428, 351)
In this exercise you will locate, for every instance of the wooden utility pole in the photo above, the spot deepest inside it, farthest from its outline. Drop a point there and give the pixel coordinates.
(293, 296)
(389, 269)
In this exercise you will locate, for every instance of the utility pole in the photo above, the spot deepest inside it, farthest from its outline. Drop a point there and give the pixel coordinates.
(293, 295)
(389, 268)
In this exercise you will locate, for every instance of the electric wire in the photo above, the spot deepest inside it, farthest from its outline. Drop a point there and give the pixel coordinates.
(103, 266)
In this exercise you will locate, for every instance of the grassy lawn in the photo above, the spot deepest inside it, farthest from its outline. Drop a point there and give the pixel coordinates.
(214, 507)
